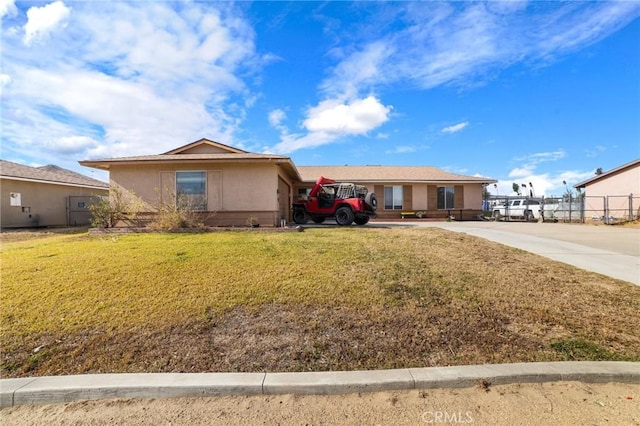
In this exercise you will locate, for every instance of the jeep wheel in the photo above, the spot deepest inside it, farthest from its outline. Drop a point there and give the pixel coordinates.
(361, 220)
(496, 214)
(344, 216)
(372, 201)
(300, 217)
(317, 219)
(528, 216)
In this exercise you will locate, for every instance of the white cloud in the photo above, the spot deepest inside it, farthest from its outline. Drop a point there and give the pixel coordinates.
(354, 118)
(293, 142)
(507, 6)
(402, 149)
(530, 163)
(72, 144)
(540, 182)
(144, 77)
(542, 157)
(462, 44)
(138, 77)
(455, 128)
(360, 69)
(5, 80)
(8, 8)
(333, 119)
(41, 21)
(456, 170)
(520, 172)
(132, 114)
(276, 117)
(465, 44)
(595, 151)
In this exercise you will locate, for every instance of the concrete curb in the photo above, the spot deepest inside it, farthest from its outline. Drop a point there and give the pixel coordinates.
(61, 389)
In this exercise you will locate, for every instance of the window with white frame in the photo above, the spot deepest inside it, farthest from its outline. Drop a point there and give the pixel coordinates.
(191, 190)
(393, 197)
(446, 197)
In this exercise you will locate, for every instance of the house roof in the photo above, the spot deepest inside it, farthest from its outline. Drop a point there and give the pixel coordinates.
(608, 174)
(48, 174)
(200, 151)
(205, 150)
(400, 174)
(208, 143)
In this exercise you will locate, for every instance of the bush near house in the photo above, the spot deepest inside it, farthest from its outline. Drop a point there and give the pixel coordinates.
(253, 301)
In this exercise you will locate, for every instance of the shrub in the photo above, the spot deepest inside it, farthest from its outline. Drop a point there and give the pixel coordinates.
(176, 212)
(108, 211)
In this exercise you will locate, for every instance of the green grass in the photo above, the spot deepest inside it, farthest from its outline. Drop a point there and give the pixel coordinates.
(330, 298)
(581, 349)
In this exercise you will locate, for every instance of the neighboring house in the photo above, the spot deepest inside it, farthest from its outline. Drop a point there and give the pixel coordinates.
(405, 191)
(234, 184)
(45, 196)
(615, 193)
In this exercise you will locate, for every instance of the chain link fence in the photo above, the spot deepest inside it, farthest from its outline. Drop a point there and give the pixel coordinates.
(607, 209)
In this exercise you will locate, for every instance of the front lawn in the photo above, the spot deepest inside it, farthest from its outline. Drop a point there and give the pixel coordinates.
(323, 299)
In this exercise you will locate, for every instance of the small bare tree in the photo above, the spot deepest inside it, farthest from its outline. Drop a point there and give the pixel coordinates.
(108, 211)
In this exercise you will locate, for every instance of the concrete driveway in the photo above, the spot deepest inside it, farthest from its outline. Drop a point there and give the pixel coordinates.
(609, 250)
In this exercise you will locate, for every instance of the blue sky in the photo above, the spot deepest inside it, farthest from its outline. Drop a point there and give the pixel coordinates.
(540, 91)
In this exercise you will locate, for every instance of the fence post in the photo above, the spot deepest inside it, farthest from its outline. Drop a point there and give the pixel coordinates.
(606, 209)
(631, 207)
(570, 202)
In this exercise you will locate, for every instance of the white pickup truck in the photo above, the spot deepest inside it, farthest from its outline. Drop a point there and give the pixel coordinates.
(519, 209)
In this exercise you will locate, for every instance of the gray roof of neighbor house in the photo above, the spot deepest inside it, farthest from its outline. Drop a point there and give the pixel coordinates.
(604, 175)
(48, 174)
(382, 174)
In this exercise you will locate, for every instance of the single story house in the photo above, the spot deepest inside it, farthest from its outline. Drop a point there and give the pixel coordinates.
(409, 190)
(234, 184)
(615, 193)
(45, 196)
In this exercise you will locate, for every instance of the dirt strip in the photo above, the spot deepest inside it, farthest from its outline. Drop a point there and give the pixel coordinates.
(555, 403)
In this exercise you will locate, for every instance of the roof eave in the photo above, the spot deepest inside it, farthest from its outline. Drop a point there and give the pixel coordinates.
(606, 174)
(106, 164)
(51, 182)
(177, 159)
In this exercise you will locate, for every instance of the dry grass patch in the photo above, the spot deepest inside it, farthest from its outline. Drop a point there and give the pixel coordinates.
(325, 299)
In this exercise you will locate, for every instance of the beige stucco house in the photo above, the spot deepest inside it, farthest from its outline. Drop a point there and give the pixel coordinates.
(227, 182)
(45, 196)
(235, 184)
(615, 193)
(405, 191)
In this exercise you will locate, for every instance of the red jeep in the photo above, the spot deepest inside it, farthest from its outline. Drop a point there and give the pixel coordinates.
(346, 202)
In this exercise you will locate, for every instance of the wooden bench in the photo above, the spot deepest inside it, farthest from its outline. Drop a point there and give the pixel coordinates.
(405, 215)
